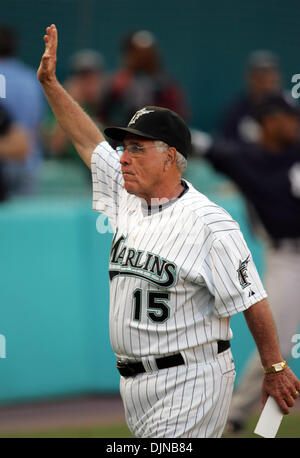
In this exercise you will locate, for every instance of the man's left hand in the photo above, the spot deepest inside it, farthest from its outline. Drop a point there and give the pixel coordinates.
(284, 387)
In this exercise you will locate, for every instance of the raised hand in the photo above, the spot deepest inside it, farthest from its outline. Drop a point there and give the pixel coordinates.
(78, 126)
(46, 70)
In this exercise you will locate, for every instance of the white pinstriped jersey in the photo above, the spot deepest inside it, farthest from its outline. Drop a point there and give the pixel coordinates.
(176, 275)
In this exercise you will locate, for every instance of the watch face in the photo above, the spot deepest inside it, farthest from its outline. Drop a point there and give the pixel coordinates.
(279, 366)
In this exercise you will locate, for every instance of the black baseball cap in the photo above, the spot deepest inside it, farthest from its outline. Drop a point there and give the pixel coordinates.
(156, 123)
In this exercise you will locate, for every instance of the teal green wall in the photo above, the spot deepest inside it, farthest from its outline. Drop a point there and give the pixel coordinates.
(54, 300)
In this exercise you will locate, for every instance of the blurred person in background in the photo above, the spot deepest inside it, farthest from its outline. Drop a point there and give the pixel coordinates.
(141, 81)
(262, 77)
(24, 103)
(13, 145)
(85, 84)
(268, 175)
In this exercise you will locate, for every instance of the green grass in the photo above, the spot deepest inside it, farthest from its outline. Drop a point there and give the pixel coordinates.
(290, 428)
(119, 430)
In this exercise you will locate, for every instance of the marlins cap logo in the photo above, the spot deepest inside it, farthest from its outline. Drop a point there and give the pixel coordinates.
(138, 114)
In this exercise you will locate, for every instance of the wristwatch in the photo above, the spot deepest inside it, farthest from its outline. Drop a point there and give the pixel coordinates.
(277, 367)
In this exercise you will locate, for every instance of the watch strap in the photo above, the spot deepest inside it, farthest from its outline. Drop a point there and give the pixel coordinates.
(277, 367)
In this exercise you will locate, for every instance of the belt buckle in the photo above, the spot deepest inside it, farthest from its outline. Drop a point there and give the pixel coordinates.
(125, 368)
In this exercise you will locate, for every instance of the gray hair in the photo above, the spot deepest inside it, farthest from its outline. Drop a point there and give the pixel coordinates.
(180, 160)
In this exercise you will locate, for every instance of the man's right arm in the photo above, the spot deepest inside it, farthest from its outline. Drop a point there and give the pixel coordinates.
(283, 386)
(78, 126)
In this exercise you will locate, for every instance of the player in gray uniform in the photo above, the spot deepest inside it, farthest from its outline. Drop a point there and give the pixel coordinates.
(179, 269)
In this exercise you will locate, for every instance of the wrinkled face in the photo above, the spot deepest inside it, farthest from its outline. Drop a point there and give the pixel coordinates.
(144, 169)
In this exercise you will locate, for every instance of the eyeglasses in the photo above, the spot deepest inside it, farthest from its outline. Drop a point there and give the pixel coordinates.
(133, 149)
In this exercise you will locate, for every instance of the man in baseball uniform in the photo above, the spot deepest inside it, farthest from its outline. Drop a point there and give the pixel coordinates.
(179, 269)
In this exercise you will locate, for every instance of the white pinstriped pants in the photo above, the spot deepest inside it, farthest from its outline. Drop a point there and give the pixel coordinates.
(187, 401)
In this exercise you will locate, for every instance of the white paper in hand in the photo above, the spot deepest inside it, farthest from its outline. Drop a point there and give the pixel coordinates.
(269, 420)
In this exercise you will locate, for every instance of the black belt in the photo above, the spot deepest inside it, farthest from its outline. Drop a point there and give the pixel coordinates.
(128, 369)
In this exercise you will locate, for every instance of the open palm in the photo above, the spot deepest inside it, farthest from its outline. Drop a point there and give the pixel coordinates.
(46, 70)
